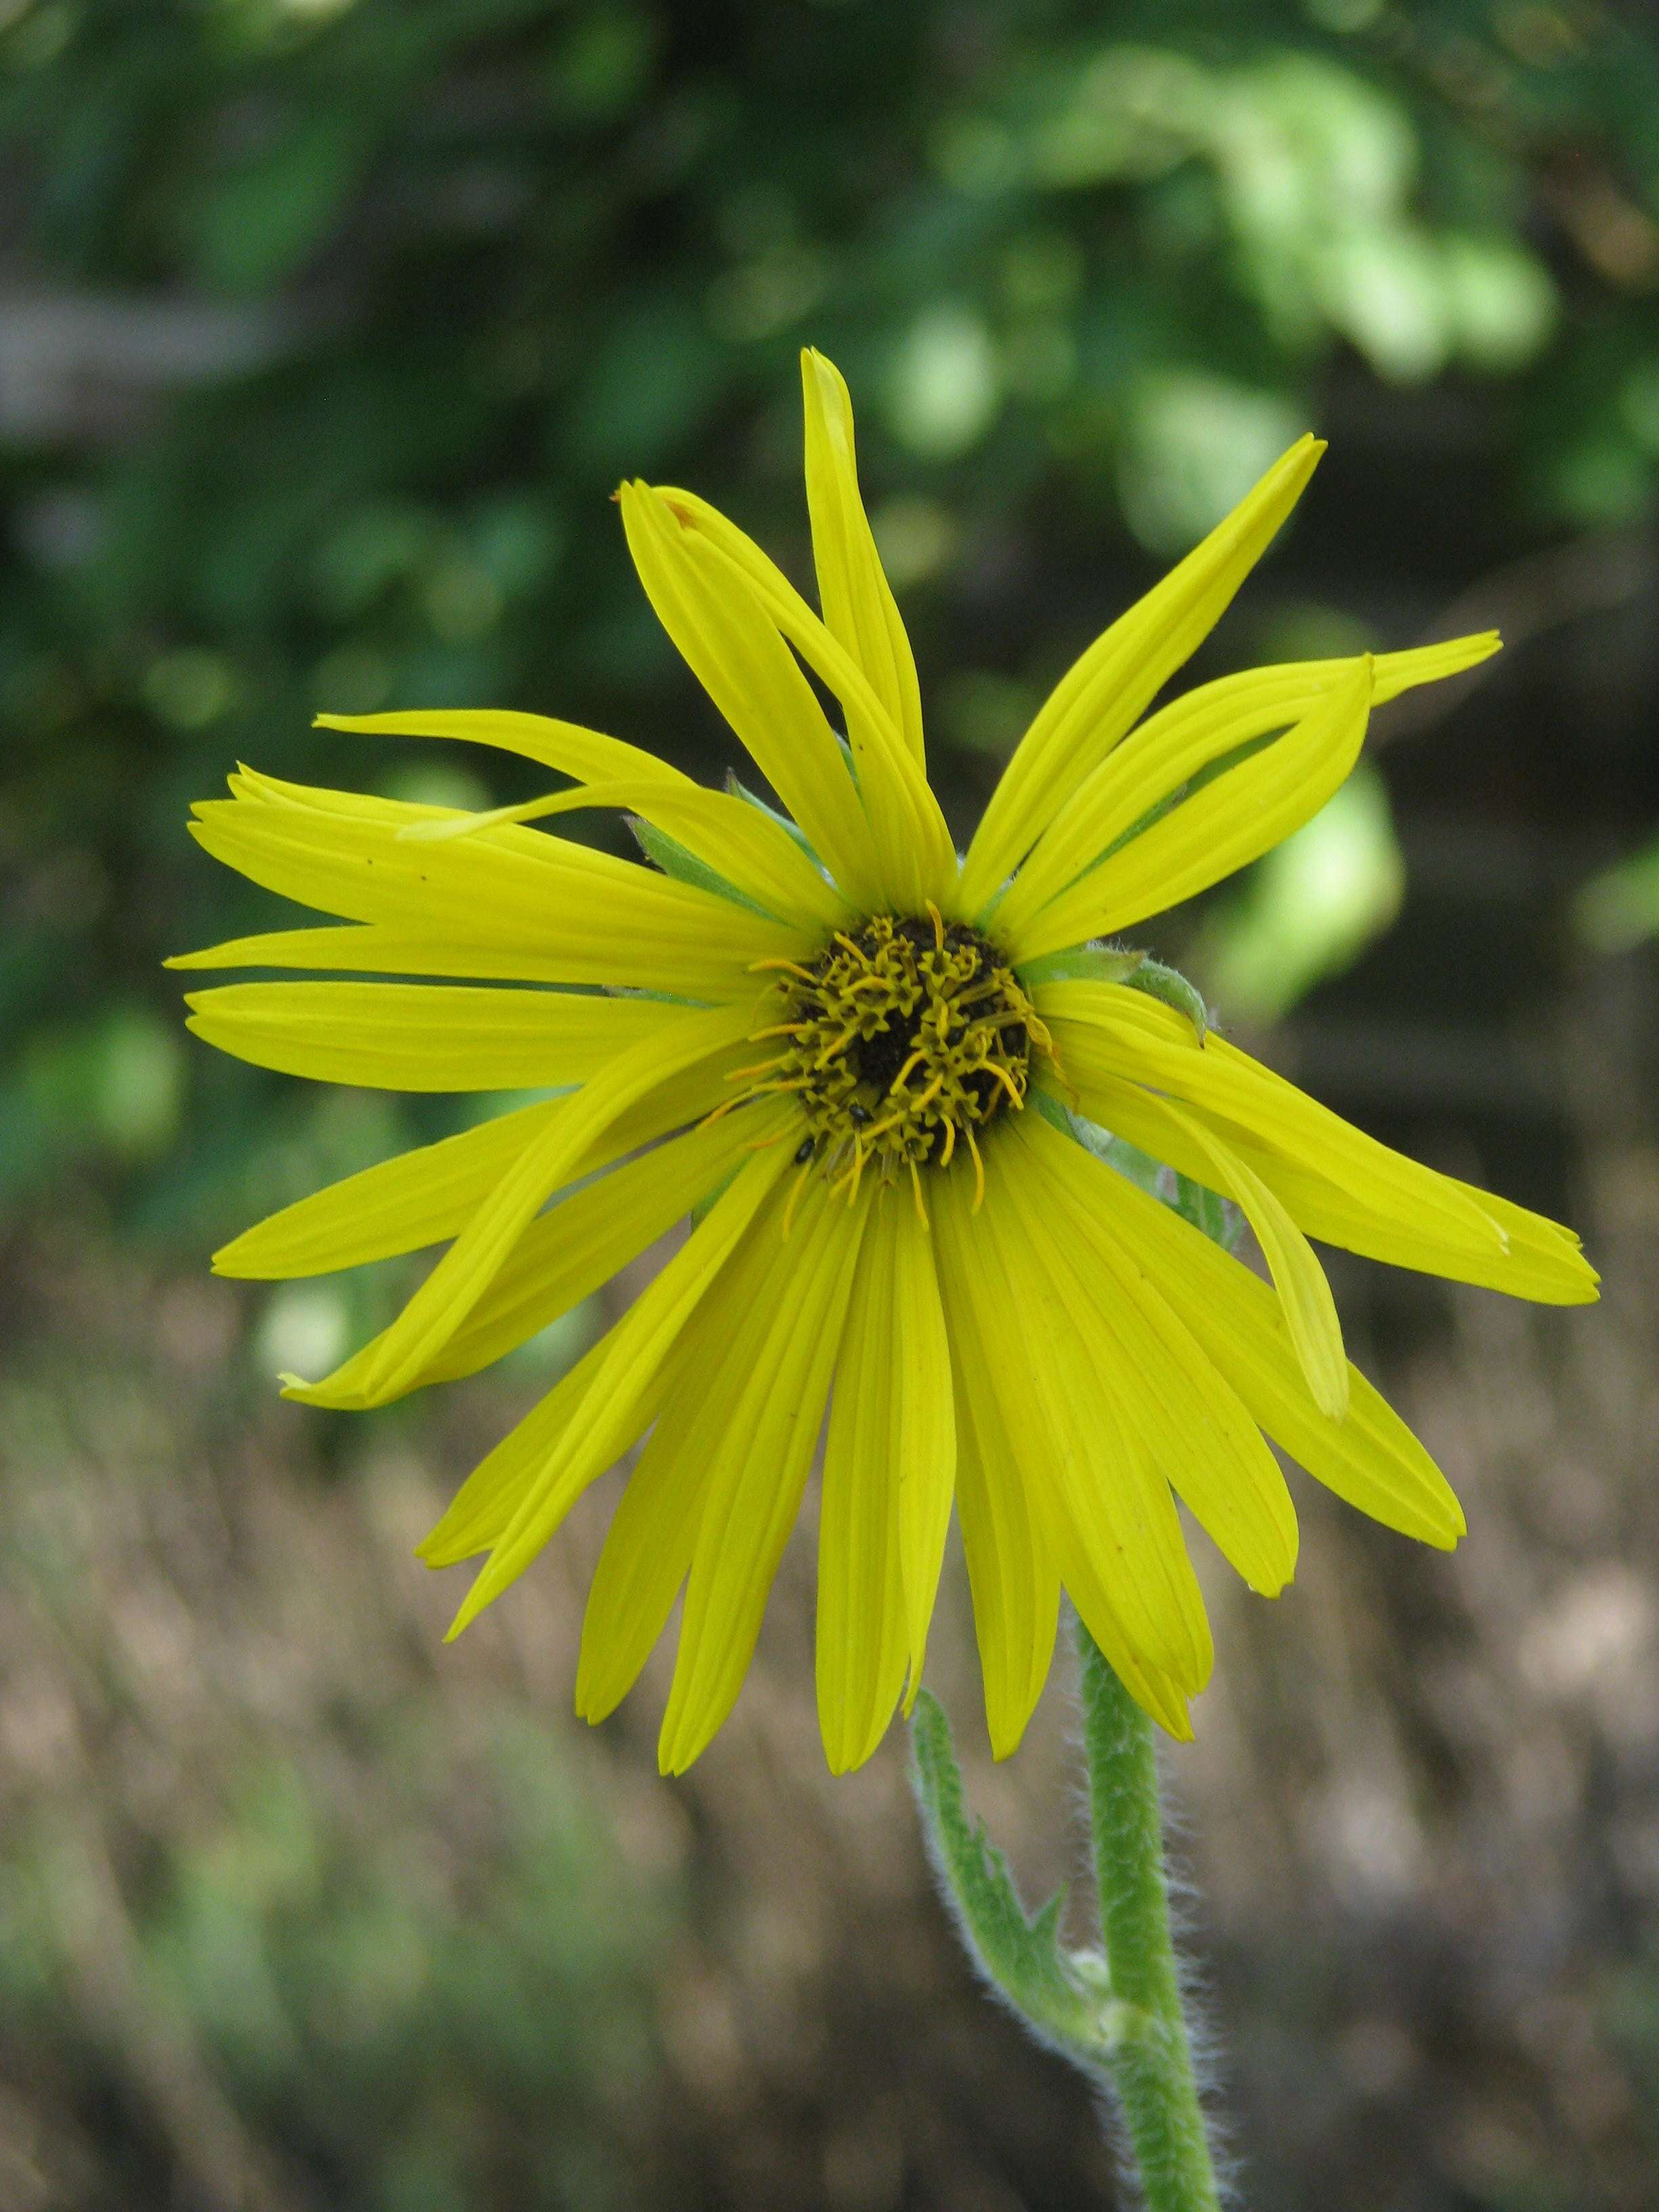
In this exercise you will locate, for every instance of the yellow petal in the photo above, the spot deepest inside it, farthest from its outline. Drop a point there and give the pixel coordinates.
(858, 606)
(654, 1532)
(565, 746)
(647, 1556)
(481, 1509)
(1164, 751)
(568, 1253)
(1310, 1309)
(736, 655)
(1109, 1513)
(1544, 1260)
(756, 854)
(973, 1286)
(761, 1432)
(1103, 1032)
(524, 1489)
(1371, 1459)
(924, 1441)
(1107, 691)
(401, 1355)
(423, 1197)
(861, 1641)
(592, 918)
(918, 855)
(1196, 1426)
(1508, 1249)
(365, 949)
(579, 1243)
(425, 1036)
(1226, 823)
(1011, 1569)
(888, 1475)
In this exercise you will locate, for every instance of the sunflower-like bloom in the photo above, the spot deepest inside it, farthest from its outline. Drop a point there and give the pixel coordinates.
(875, 1073)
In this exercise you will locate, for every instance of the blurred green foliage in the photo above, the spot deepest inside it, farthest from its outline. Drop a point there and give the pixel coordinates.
(332, 323)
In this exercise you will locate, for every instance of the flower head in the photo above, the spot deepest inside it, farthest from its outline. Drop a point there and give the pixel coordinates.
(879, 1077)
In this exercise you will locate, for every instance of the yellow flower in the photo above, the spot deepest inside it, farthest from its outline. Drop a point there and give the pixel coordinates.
(859, 1061)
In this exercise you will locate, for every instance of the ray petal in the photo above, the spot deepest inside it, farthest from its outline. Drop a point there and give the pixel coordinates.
(1371, 1458)
(452, 1291)
(1158, 758)
(762, 1434)
(1106, 691)
(1219, 828)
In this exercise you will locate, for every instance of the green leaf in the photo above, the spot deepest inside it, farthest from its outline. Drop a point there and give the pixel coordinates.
(1619, 909)
(674, 860)
(1018, 1952)
(273, 213)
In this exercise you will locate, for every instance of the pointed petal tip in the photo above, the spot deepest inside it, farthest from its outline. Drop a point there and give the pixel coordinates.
(472, 1604)
(1304, 456)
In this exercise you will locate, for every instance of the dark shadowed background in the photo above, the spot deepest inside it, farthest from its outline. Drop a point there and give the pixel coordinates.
(327, 328)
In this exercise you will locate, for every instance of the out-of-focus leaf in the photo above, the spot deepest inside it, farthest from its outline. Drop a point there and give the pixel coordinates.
(1310, 908)
(272, 212)
(1620, 908)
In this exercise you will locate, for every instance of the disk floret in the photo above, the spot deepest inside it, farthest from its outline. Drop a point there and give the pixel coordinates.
(905, 1037)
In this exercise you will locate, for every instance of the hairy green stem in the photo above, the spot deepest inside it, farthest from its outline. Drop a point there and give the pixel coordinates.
(1151, 2069)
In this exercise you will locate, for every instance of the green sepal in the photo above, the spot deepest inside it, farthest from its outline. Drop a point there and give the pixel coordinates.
(1062, 1996)
(1216, 1217)
(740, 790)
(1117, 963)
(675, 860)
(1170, 985)
(1137, 1167)
(1082, 963)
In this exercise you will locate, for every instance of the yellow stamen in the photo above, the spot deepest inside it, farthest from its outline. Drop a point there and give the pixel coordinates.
(933, 1001)
(979, 1167)
(788, 967)
(799, 1185)
(922, 1205)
